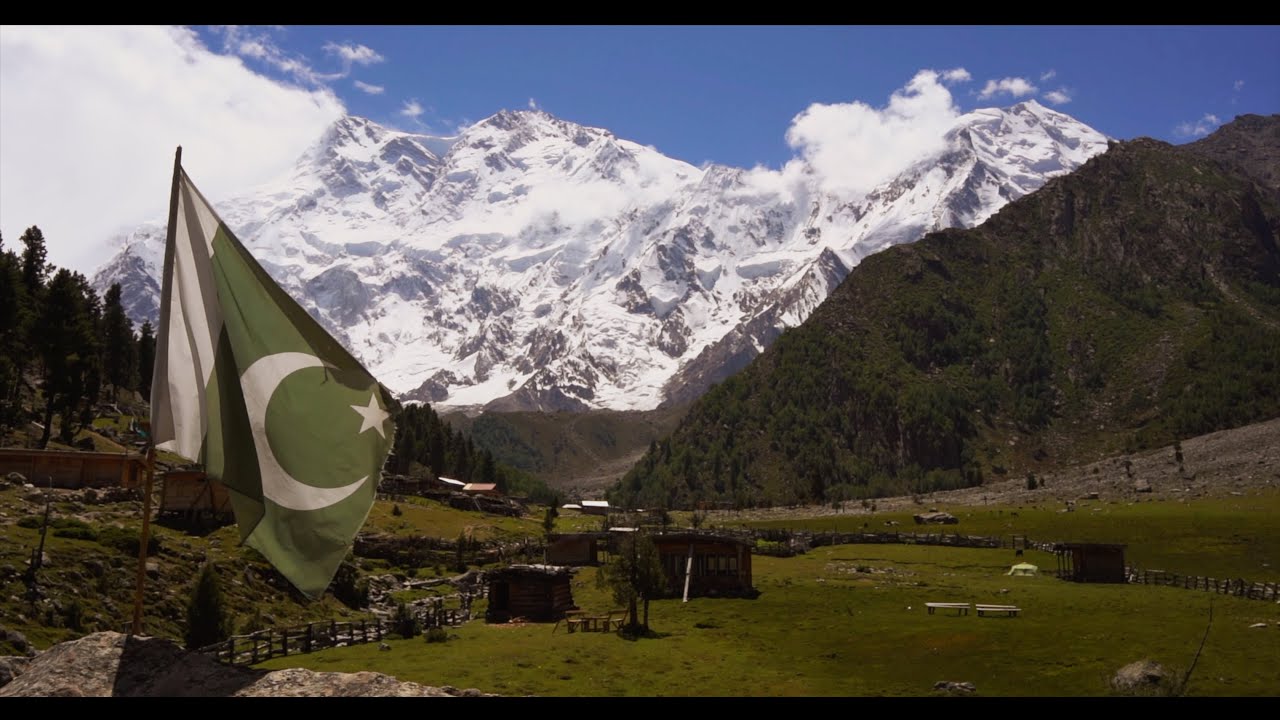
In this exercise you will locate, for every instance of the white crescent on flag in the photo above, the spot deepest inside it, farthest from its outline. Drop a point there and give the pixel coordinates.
(259, 383)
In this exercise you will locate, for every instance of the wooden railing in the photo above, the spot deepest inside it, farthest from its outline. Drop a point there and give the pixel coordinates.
(263, 645)
(1237, 587)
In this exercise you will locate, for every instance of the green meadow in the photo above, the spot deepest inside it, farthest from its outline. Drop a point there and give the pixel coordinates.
(850, 620)
(1227, 537)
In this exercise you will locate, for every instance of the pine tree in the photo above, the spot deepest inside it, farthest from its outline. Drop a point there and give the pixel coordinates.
(146, 359)
(68, 350)
(119, 353)
(13, 308)
(33, 259)
(207, 619)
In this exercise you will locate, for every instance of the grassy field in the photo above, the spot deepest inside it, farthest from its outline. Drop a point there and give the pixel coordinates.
(850, 620)
(1235, 536)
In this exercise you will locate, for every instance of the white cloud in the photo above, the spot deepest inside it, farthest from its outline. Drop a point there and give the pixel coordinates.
(1199, 128)
(1048, 75)
(854, 146)
(412, 109)
(259, 46)
(1015, 86)
(956, 75)
(1061, 96)
(370, 89)
(90, 116)
(533, 104)
(358, 54)
(1237, 85)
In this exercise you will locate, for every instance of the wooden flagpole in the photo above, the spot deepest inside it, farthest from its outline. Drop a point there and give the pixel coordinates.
(144, 538)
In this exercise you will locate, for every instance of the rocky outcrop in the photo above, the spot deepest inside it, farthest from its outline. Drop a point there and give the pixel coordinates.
(110, 664)
(1140, 676)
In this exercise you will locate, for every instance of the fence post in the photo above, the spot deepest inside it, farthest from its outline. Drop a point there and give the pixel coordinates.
(254, 639)
(377, 628)
(333, 633)
(308, 640)
(231, 650)
(284, 642)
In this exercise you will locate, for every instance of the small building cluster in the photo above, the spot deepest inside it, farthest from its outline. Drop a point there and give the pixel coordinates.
(721, 564)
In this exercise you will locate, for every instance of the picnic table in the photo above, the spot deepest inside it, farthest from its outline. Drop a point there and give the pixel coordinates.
(576, 620)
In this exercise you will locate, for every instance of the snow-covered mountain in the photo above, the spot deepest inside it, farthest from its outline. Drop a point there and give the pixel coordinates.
(531, 263)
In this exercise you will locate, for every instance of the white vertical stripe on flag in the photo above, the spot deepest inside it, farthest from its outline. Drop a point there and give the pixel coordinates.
(188, 342)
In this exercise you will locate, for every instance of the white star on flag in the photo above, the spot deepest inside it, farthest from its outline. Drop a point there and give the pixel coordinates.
(373, 415)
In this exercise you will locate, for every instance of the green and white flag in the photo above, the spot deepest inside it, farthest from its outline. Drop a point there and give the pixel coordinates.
(247, 383)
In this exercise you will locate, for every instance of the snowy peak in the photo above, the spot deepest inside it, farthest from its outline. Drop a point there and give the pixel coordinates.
(534, 263)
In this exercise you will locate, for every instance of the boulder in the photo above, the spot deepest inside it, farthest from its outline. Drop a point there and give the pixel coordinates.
(936, 518)
(112, 664)
(954, 687)
(11, 667)
(1141, 485)
(1139, 676)
(16, 639)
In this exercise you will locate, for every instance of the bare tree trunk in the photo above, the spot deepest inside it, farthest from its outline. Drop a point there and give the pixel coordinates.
(48, 421)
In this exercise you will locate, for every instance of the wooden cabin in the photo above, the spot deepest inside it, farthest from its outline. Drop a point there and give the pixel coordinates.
(1090, 562)
(73, 468)
(721, 564)
(575, 549)
(595, 507)
(530, 592)
(191, 494)
(489, 489)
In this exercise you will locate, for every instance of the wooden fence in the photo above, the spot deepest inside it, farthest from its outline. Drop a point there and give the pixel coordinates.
(1237, 587)
(263, 645)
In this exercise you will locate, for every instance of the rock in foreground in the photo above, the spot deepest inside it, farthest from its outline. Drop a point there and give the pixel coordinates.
(110, 664)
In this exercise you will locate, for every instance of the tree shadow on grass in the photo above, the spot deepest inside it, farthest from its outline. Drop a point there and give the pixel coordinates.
(641, 633)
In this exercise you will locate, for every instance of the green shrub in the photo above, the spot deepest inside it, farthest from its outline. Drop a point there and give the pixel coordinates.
(208, 621)
(31, 522)
(404, 623)
(437, 635)
(126, 540)
(349, 588)
(73, 616)
(76, 533)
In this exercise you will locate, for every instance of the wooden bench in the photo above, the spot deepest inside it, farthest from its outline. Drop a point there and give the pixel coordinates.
(961, 608)
(573, 620)
(615, 623)
(1008, 610)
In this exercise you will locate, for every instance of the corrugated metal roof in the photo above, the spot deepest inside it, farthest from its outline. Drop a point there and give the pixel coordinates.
(595, 503)
(451, 481)
(479, 487)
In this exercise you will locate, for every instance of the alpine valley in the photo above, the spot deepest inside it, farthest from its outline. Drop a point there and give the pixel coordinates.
(534, 264)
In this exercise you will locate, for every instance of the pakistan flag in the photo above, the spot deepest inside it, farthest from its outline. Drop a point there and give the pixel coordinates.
(247, 383)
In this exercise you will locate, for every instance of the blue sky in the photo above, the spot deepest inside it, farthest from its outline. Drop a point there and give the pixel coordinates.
(89, 116)
(728, 94)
